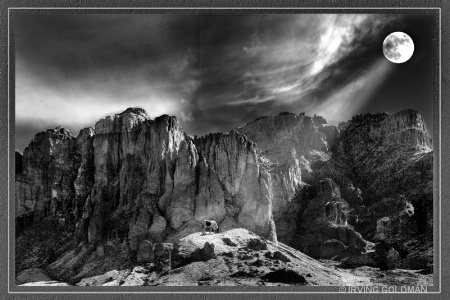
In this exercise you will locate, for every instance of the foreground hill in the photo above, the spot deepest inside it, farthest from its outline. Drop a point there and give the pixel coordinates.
(235, 257)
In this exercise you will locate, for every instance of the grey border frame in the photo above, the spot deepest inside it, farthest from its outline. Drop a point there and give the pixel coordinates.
(7, 122)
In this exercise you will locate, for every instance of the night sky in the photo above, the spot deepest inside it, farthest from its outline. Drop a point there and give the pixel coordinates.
(215, 72)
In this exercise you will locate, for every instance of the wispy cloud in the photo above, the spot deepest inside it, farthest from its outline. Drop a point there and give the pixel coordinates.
(213, 72)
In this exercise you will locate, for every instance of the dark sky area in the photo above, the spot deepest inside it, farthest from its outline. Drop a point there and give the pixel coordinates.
(214, 72)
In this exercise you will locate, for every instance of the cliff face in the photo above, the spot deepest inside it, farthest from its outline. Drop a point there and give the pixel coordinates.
(309, 212)
(288, 144)
(391, 156)
(288, 177)
(134, 160)
(243, 184)
(370, 159)
(286, 135)
(133, 178)
(325, 232)
(44, 187)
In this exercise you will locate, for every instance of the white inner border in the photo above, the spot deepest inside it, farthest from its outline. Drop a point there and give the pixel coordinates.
(223, 8)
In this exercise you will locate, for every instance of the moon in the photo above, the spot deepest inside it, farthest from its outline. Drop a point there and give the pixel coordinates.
(398, 47)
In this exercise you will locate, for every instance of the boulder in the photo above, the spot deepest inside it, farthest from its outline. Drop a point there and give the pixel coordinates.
(246, 257)
(145, 251)
(100, 251)
(393, 257)
(229, 242)
(280, 256)
(203, 254)
(258, 263)
(32, 275)
(228, 254)
(383, 229)
(257, 244)
(157, 228)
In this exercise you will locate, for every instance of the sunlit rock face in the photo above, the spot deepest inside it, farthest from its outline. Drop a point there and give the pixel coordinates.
(280, 136)
(152, 168)
(288, 144)
(241, 185)
(406, 127)
(132, 178)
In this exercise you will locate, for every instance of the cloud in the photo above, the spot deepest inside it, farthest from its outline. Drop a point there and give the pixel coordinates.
(214, 72)
(74, 69)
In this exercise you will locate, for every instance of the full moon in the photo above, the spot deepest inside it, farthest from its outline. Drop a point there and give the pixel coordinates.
(398, 47)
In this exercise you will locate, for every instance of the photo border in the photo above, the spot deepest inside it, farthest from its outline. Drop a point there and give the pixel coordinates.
(7, 120)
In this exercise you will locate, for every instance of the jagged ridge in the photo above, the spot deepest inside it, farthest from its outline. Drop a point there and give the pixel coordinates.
(132, 178)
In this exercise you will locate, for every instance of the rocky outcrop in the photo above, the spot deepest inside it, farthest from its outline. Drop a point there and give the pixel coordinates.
(44, 188)
(288, 177)
(393, 258)
(145, 251)
(360, 156)
(398, 223)
(391, 161)
(32, 275)
(392, 151)
(231, 162)
(383, 228)
(297, 151)
(277, 136)
(324, 227)
(132, 178)
(288, 143)
(208, 260)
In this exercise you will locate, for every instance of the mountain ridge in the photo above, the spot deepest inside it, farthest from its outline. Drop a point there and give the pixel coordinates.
(131, 178)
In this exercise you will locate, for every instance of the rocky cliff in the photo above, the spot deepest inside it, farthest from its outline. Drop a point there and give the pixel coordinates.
(289, 177)
(307, 204)
(132, 178)
(44, 183)
(368, 162)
